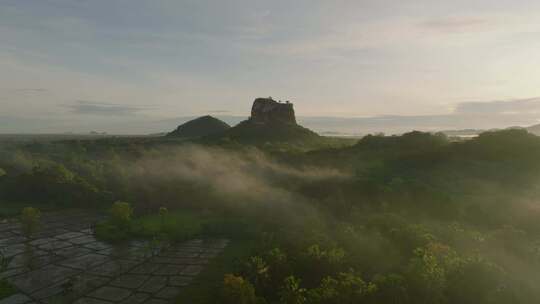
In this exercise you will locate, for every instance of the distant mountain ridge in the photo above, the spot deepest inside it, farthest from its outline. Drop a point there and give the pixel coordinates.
(534, 129)
(357, 126)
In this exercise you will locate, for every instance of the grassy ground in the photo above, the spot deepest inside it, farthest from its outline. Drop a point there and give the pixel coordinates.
(206, 287)
(178, 225)
(175, 226)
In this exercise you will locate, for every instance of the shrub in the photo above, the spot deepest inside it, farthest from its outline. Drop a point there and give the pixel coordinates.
(347, 287)
(52, 183)
(257, 271)
(30, 221)
(117, 228)
(278, 265)
(426, 276)
(391, 288)
(328, 260)
(237, 290)
(163, 212)
(332, 256)
(476, 281)
(121, 214)
(291, 292)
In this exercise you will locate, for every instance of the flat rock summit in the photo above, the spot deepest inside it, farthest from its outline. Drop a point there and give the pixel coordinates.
(270, 121)
(267, 110)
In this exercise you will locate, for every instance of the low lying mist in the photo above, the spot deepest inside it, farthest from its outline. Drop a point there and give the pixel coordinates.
(247, 175)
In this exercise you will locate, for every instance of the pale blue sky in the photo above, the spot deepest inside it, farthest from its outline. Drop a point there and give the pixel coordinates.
(81, 63)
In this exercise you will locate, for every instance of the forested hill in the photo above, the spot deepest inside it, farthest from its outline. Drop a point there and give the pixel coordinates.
(198, 127)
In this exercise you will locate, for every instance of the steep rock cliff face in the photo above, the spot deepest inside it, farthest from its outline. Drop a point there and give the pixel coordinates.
(267, 110)
(271, 121)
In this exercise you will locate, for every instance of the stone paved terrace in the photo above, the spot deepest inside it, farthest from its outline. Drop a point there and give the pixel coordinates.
(64, 263)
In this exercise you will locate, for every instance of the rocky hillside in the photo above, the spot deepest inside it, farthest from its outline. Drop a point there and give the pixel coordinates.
(271, 121)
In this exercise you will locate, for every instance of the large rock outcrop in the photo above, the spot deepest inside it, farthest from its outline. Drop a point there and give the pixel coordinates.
(271, 121)
(202, 126)
(267, 110)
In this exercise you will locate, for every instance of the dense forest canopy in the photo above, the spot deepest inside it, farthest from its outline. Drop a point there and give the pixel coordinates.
(415, 218)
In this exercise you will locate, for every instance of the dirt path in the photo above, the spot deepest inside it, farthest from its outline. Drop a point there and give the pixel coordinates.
(64, 263)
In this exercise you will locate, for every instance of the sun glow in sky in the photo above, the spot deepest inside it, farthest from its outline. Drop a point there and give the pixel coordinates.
(80, 63)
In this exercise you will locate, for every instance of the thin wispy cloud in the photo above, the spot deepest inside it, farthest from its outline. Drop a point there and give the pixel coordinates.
(34, 90)
(24, 92)
(526, 106)
(456, 24)
(85, 107)
(331, 58)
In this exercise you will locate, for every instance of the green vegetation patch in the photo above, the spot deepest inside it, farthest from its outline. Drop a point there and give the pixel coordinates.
(6, 289)
(392, 219)
(13, 209)
(176, 225)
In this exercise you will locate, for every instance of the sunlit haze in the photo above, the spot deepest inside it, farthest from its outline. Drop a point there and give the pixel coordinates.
(144, 66)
